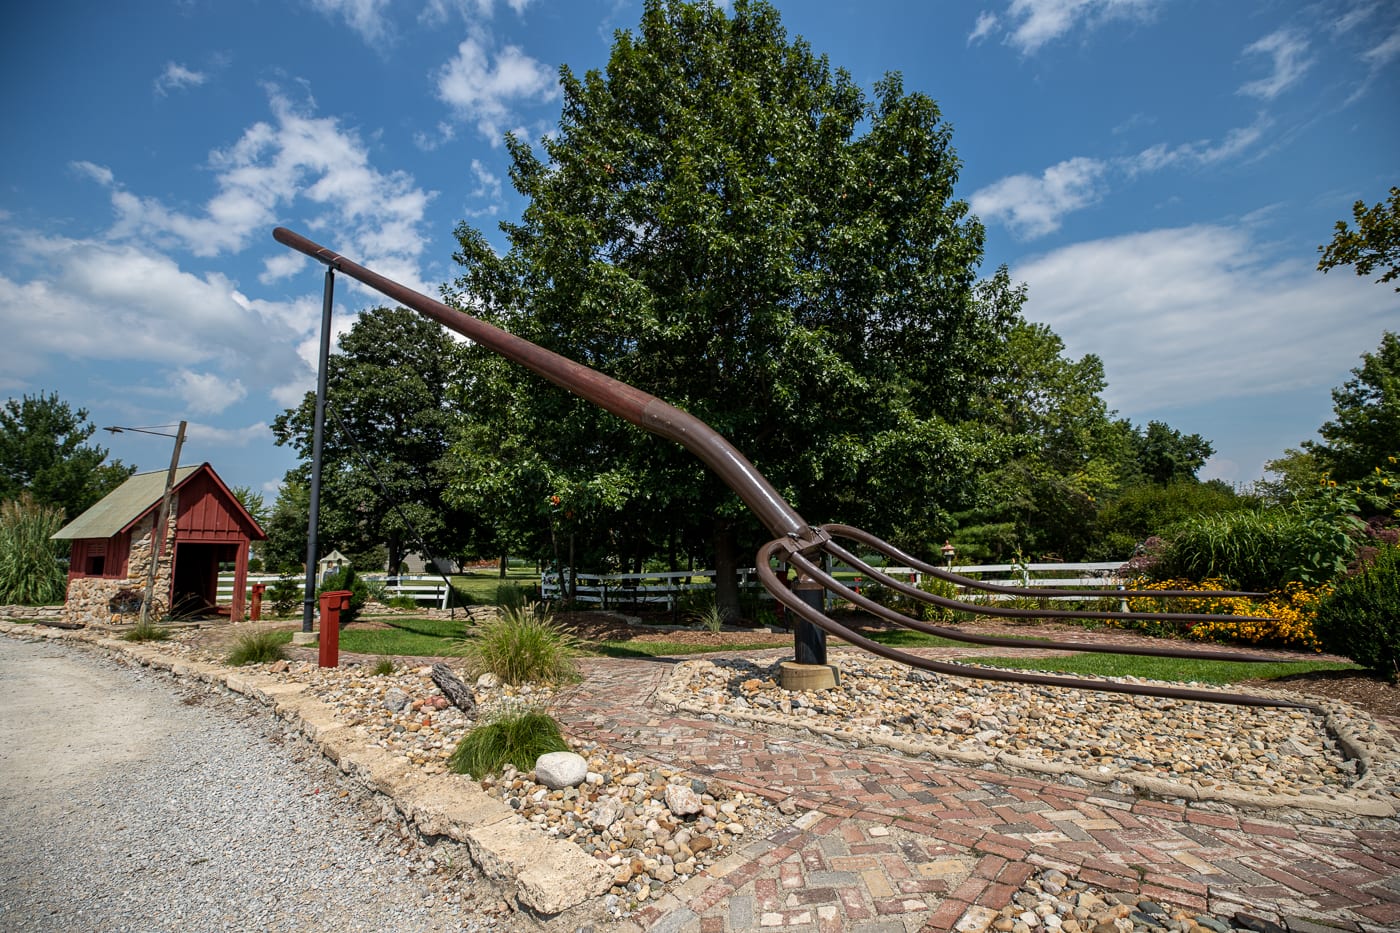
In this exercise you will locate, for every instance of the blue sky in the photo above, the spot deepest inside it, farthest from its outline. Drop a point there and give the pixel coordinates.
(1160, 172)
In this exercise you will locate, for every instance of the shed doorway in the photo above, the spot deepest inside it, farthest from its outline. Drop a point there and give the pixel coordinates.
(196, 585)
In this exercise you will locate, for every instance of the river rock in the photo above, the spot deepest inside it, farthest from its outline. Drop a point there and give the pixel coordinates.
(682, 801)
(557, 770)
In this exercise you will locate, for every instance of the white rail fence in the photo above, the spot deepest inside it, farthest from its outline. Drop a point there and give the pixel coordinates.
(637, 589)
(665, 589)
(421, 588)
(1102, 575)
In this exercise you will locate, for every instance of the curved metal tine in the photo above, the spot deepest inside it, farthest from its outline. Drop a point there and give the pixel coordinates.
(836, 586)
(789, 599)
(894, 553)
(913, 592)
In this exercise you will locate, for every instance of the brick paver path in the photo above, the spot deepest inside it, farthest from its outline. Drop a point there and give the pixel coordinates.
(896, 844)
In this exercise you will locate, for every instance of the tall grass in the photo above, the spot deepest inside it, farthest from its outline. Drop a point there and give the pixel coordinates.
(518, 736)
(1262, 550)
(259, 648)
(522, 645)
(30, 574)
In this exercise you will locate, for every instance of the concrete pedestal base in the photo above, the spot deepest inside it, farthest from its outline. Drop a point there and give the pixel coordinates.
(794, 676)
(303, 638)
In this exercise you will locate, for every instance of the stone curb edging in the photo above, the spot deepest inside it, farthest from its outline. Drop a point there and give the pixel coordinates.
(670, 694)
(544, 874)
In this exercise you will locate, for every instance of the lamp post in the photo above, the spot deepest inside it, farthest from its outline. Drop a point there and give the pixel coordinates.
(948, 552)
(162, 514)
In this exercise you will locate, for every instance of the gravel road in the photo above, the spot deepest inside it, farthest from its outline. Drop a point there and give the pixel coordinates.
(129, 801)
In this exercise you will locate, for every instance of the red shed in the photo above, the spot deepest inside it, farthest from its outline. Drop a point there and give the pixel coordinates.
(208, 529)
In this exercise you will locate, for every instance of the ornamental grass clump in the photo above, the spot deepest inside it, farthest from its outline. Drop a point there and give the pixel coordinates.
(517, 736)
(258, 648)
(146, 631)
(522, 645)
(30, 574)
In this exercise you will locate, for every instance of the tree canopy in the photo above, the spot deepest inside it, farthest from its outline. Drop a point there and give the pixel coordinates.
(393, 395)
(43, 451)
(725, 221)
(1365, 430)
(1373, 245)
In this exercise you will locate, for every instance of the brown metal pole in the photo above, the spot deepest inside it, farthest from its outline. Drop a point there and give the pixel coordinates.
(628, 403)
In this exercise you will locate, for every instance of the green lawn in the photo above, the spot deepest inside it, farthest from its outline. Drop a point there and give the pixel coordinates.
(421, 637)
(908, 638)
(439, 637)
(1170, 669)
(481, 585)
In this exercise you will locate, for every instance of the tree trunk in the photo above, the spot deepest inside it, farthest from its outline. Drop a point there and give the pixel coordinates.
(452, 688)
(573, 573)
(505, 562)
(727, 571)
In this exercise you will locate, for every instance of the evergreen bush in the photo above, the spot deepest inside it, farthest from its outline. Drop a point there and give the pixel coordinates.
(285, 595)
(345, 579)
(1361, 618)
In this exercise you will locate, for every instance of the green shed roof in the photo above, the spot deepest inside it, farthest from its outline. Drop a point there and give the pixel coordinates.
(123, 505)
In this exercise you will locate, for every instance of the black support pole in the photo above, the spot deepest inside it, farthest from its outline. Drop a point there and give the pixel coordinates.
(808, 641)
(318, 437)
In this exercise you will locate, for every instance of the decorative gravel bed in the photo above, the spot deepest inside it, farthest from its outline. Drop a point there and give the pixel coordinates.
(1343, 762)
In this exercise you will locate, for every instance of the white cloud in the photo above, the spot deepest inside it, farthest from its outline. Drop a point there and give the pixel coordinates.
(1287, 52)
(1032, 206)
(1030, 24)
(1354, 17)
(437, 11)
(482, 90)
(1197, 314)
(297, 156)
(177, 77)
(229, 437)
(1384, 52)
(206, 393)
(1201, 152)
(92, 300)
(488, 189)
(444, 133)
(986, 25)
(98, 173)
(364, 16)
(282, 265)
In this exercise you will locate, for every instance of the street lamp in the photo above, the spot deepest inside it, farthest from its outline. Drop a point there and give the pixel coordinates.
(948, 552)
(162, 515)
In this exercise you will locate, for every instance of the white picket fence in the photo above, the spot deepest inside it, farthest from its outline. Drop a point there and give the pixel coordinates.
(630, 589)
(422, 588)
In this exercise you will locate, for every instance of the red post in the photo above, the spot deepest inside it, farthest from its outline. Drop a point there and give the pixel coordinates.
(332, 603)
(255, 607)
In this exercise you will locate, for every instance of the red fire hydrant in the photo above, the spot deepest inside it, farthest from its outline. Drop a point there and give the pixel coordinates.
(333, 602)
(255, 607)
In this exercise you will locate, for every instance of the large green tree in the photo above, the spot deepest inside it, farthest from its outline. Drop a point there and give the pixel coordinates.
(725, 221)
(1373, 245)
(44, 452)
(394, 392)
(1365, 430)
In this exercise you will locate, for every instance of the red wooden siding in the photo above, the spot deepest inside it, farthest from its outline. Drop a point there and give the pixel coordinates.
(207, 514)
